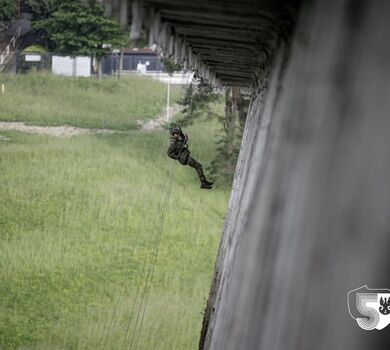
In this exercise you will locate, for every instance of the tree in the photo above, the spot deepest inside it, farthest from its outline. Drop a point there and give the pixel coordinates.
(198, 102)
(7, 11)
(223, 165)
(78, 29)
(169, 64)
(43, 8)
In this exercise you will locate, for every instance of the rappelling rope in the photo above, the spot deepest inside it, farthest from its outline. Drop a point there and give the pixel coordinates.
(147, 285)
(146, 291)
(163, 142)
(155, 240)
(141, 275)
(149, 277)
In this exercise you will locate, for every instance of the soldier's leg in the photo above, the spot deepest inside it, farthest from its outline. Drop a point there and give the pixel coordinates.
(193, 163)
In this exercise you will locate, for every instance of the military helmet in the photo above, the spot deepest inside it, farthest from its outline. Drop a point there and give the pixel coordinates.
(175, 130)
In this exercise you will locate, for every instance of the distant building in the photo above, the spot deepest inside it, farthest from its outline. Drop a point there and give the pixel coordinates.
(71, 66)
(131, 58)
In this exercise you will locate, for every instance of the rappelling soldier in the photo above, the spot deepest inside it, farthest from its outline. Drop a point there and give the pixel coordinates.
(178, 150)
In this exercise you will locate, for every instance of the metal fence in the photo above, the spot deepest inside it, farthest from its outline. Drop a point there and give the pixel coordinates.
(26, 62)
(111, 63)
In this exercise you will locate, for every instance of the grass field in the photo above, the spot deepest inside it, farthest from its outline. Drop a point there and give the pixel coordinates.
(45, 99)
(77, 216)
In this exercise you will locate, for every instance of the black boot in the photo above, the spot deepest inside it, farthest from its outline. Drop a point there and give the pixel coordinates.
(206, 185)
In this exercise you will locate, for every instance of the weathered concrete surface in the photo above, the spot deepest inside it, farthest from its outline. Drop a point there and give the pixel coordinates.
(309, 216)
(249, 164)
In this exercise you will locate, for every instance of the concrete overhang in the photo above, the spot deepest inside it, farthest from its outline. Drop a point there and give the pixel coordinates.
(229, 42)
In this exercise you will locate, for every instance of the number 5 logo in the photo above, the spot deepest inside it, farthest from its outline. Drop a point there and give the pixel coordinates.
(366, 306)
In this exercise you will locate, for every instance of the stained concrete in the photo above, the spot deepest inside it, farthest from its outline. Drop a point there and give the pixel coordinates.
(308, 219)
(309, 213)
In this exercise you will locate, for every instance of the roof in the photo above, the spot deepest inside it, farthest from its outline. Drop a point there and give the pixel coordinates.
(140, 51)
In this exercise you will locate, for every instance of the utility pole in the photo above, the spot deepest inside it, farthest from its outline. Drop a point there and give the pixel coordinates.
(168, 93)
(120, 64)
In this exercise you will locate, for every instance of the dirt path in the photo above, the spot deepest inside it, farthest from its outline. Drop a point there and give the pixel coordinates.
(158, 122)
(59, 131)
(68, 131)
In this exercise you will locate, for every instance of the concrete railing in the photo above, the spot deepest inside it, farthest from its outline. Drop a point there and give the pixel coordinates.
(177, 78)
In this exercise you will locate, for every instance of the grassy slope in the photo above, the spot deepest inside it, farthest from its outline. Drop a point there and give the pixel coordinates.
(76, 217)
(45, 99)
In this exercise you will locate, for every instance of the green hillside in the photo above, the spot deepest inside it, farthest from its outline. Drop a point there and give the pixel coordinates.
(45, 99)
(77, 218)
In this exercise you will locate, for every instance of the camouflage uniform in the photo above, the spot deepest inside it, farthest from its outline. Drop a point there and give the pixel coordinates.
(178, 150)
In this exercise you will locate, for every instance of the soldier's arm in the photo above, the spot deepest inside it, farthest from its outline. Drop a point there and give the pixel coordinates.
(182, 134)
(172, 150)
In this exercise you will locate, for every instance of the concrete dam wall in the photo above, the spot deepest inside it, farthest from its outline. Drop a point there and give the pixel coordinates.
(309, 215)
(308, 221)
